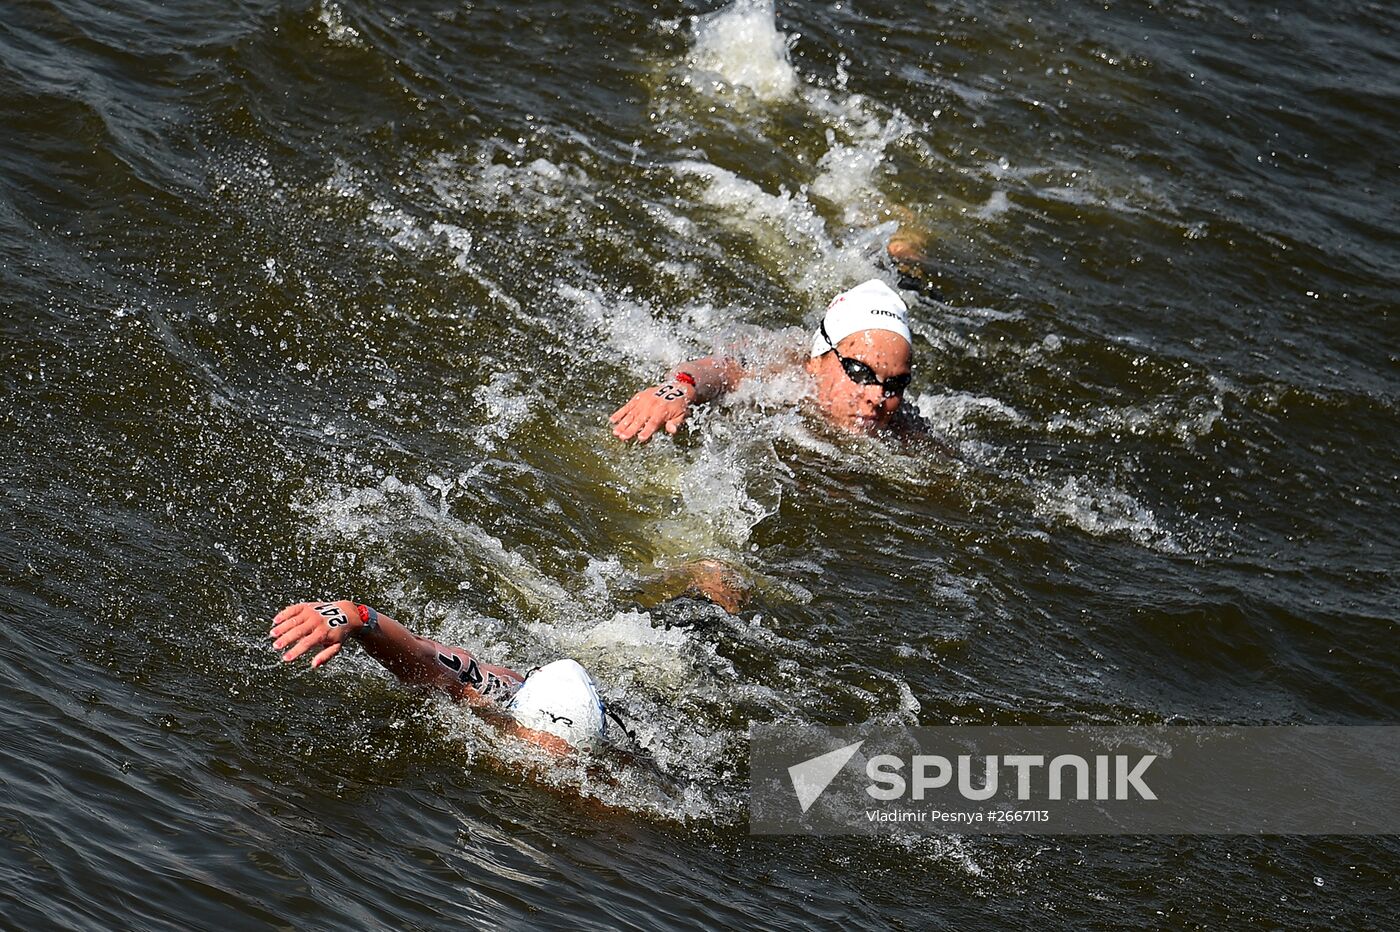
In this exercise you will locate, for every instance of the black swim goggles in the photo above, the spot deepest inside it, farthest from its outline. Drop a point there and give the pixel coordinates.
(862, 374)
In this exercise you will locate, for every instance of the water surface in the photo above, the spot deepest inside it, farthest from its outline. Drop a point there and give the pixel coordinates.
(313, 300)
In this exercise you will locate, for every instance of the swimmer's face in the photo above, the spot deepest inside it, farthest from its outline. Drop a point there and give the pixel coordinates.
(861, 408)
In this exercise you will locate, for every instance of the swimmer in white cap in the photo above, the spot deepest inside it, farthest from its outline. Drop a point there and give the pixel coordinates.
(556, 706)
(860, 362)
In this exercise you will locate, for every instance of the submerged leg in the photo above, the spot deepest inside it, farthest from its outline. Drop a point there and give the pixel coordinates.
(705, 579)
(907, 251)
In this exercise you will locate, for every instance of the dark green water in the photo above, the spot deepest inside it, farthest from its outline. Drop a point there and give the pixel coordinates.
(323, 300)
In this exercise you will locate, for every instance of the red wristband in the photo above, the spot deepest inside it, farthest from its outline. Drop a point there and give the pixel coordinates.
(369, 617)
(686, 377)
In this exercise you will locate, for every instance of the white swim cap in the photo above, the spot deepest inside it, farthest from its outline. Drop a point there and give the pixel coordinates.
(872, 305)
(560, 698)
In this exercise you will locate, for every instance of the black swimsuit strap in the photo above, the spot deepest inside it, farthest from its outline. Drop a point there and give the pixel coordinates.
(623, 725)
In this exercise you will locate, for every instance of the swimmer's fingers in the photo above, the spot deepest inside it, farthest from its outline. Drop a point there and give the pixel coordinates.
(288, 613)
(618, 414)
(293, 617)
(653, 423)
(674, 423)
(670, 415)
(620, 418)
(634, 420)
(291, 630)
(289, 619)
(627, 425)
(627, 419)
(625, 430)
(298, 640)
(305, 626)
(649, 411)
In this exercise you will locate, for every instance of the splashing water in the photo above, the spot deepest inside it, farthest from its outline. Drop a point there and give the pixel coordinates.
(742, 46)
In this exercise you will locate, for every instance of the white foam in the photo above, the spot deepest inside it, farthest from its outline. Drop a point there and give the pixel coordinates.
(788, 226)
(344, 181)
(858, 142)
(403, 230)
(1103, 511)
(741, 46)
(728, 486)
(847, 178)
(631, 327)
(473, 180)
(505, 408)
(359, 515)
(458, 240)
(996, 205)
(952, 412)
(601, 576)
(628, 645)
(783, 387)
(1184, 421)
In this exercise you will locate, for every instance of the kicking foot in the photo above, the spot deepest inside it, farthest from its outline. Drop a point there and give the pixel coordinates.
(906, 250)
(702, 579)
(713, 580)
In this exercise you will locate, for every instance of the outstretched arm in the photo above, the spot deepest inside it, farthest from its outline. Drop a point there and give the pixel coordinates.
(666, 405)
(325, 626)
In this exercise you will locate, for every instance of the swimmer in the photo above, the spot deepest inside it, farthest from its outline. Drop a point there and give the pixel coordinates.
(556, 706)
(860, 364)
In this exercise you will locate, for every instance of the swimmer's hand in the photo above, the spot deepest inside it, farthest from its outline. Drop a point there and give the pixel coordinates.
(665, 405)
(306, 626)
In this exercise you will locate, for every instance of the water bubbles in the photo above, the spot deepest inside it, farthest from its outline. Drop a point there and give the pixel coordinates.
(332, 18)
